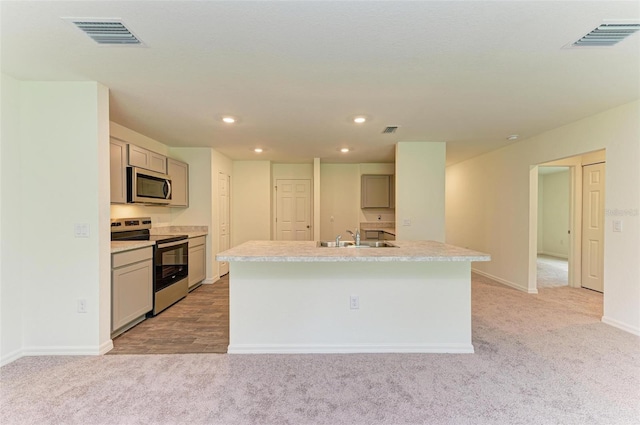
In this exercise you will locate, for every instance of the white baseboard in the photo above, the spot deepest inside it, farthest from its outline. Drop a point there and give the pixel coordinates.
(345, 348)
(65, 350)
(11, 357)
(105, 347)
(554, 254)
(505, 282)
(211, 280)
(623, 326)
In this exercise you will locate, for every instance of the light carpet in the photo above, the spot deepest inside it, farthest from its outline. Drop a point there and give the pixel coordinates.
(540, 359)
(552, 271)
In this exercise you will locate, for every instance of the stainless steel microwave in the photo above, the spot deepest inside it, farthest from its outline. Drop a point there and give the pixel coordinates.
(148, 187)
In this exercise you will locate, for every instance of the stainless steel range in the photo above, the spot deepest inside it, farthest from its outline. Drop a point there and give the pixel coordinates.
(170, 259)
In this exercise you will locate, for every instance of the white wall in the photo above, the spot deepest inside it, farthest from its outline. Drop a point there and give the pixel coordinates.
(60, 151)
(488, 204)
(420, 191)
(555, 214)
(11, 285)
(250, 201)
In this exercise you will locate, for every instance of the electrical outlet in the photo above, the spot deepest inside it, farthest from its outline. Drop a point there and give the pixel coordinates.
(82, 305)
(354, 302)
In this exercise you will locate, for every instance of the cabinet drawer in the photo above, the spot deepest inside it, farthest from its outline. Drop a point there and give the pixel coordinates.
(120, 259)
(200, 240)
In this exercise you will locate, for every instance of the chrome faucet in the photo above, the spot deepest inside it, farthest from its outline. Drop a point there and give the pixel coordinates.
(356, 236)
(338, 240)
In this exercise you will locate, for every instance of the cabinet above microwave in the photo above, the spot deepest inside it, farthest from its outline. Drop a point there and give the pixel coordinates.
(149, 160)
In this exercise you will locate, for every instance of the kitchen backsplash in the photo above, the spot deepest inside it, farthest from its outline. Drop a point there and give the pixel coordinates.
(159, 230)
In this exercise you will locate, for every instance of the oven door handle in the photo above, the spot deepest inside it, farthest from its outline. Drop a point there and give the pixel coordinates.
(170, 244)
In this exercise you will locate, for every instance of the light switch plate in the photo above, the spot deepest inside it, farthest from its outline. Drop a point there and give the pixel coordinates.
(406, 222)
(617, 225)
(81, 230)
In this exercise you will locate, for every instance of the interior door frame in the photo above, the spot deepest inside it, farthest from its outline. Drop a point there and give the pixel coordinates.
(575, 164)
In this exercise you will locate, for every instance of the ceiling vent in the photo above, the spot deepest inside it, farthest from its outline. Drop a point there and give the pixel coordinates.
(607, 35)
(390, 129)
(106, 32)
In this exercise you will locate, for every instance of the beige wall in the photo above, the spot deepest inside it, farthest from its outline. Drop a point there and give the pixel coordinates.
(420, 191)
(554, 203)
(339, 200)
(251, 201)
(488, 205)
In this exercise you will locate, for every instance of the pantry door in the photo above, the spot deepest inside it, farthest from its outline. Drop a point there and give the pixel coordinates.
(293, 210)
(593, 226)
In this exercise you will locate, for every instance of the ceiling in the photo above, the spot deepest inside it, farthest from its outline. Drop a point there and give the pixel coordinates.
(296, 73)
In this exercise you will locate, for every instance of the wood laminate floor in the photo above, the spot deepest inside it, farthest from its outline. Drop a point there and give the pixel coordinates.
(197, 324)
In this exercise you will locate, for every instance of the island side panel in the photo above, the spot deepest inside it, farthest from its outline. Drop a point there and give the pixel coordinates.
(410, 307)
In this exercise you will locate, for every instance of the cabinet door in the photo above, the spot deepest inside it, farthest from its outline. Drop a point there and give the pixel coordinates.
(143, 158)
(375, 190)
(118, 169)
(197, 265)
(179, 172)
(157, 163)
(131, 293)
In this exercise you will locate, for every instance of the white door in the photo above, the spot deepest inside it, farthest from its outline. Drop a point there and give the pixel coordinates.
(593, 226)
(293, 210)
(224, 205)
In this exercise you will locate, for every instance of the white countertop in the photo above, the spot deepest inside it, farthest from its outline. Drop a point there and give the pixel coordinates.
(190, 231)
(121, 246)
(307, 251)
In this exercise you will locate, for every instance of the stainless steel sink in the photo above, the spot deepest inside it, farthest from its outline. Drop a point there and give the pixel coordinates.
(332, 244)
(363, 244)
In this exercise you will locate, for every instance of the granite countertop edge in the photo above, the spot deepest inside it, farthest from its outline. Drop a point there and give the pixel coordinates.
(405, 251)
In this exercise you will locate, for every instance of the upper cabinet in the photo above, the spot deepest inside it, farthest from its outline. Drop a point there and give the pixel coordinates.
(123, 154)
(118, 150)
(179, 173)
(377, 191)
(143, 158)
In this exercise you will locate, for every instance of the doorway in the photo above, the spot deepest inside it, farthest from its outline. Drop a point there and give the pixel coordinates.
(552, 263)
(293, 210)
(589, 258)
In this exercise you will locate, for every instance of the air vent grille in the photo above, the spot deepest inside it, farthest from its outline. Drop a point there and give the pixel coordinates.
(107, 32)
(607, 35)
(390, 129)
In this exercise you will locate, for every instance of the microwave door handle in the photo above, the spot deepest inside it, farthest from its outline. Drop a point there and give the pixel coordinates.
(167, 194)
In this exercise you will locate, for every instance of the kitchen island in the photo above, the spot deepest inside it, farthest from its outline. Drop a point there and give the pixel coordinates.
(297, 297)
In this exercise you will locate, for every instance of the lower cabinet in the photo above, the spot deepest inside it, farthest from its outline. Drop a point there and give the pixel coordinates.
(197, 261)
(131, 288)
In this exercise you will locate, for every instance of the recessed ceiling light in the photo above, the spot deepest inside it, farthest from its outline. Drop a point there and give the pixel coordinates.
(359, 120)
(258, 150)
(513, 137)
(344, 150)
(229, 120)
